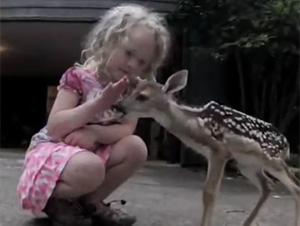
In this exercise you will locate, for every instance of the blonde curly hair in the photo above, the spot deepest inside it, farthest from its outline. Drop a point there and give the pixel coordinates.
(112, 28)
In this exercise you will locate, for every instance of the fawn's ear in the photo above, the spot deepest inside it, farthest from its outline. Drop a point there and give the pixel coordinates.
(176, 82)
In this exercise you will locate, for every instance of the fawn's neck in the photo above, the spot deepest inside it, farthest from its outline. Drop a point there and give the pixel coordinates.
(183, 122)
(177, 118)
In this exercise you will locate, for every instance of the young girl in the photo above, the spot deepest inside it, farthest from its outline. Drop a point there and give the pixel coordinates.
(77, 160)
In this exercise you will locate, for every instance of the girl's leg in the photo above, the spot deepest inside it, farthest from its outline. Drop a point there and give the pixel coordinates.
(127, 156)
(83, 174)
(83, 177)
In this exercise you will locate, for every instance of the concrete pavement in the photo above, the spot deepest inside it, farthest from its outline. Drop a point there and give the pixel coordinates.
(161, 195)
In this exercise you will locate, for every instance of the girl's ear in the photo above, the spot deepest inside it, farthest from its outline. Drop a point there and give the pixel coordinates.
(176, 82)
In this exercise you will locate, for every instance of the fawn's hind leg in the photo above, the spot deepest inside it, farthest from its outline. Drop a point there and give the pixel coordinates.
(263, 183)
(280, 170)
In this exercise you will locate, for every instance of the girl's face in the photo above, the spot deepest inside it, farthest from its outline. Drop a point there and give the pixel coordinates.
(133, 55)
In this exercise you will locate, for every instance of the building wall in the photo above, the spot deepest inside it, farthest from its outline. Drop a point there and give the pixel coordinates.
(23, 109)
(78, 10)
(39, 41)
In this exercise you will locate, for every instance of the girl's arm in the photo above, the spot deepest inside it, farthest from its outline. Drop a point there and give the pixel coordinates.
(112, 133)
(66, 116)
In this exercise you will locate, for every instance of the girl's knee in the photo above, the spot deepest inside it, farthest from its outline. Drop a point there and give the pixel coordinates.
(136, 149)
(84, 169)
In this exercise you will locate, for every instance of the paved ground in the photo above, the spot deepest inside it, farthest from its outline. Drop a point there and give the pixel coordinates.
(161, 195)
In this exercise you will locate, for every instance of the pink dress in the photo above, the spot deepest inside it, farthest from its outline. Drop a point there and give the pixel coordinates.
(46, 157)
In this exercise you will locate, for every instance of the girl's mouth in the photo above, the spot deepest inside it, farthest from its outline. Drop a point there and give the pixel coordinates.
(124, 72)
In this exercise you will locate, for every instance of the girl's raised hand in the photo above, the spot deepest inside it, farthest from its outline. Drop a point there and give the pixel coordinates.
(112, 92)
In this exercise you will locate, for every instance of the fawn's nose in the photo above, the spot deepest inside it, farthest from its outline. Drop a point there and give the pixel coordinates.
(119, 109)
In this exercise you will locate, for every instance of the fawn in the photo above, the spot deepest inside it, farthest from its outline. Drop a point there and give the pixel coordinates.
(219, 133)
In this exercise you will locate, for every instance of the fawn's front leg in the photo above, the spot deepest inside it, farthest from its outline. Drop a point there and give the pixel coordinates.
(216, 165)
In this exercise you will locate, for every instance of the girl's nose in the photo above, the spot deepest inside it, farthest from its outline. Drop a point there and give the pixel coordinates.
(133, 64)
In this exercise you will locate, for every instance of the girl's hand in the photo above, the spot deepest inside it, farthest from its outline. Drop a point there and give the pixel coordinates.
(83, 138)
(111, 93)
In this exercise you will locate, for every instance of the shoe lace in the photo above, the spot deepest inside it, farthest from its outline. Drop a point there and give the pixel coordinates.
(121, 201)
(116, 211)
(109, 212)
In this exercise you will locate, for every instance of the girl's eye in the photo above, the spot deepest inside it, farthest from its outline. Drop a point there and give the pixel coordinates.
(142, 97)
(142, 62)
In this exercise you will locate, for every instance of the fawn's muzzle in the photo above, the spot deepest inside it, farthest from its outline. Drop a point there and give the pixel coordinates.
(119, 109)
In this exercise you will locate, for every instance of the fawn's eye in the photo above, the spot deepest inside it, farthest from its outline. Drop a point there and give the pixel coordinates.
(142, 97)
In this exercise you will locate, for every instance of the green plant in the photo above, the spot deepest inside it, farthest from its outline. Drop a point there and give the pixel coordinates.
(263, 39)
(297, 174)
